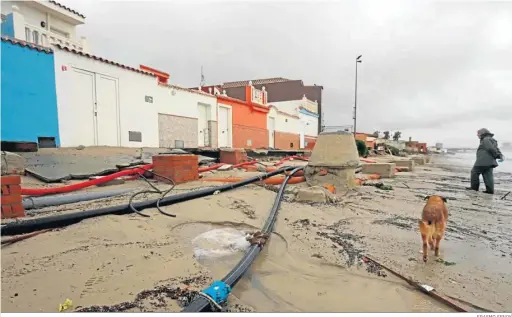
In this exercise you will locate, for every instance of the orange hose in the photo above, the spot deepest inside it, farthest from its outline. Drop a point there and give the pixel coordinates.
(367, 160)
(269, 181)
(271, 169)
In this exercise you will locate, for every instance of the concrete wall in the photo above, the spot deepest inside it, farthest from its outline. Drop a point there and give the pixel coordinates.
(29, 102)
(134, 112)
(291, 106)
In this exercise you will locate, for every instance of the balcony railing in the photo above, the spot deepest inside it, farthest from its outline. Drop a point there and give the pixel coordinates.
(311, 106)
(37, 35)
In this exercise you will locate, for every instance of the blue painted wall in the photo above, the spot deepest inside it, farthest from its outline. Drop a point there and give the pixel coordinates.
(8, 26)
(29, 99)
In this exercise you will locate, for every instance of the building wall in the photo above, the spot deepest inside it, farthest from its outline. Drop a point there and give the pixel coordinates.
(249, 126)
(290, 107)
(135, 114)
(8, 26)
(309, 142)
(286, 141)
(172, 128)
(29, 102)
(311, 124)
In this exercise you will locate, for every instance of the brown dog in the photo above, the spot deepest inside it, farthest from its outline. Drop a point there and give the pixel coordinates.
(433, 223)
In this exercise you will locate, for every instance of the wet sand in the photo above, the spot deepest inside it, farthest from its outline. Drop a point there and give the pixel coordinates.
(311, 264)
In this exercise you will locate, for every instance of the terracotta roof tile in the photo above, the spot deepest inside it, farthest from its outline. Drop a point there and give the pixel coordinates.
(104, 60)
(27, 44)
(67, 9)
(244, 83)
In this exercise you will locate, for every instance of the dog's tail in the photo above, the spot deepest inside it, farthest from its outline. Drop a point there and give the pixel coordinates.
(427, 228)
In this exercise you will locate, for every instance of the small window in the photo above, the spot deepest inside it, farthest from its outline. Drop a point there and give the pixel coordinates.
(285, 120)
(35, 37)
(291, 145)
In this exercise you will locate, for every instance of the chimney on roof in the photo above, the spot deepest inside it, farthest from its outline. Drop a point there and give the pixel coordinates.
(224, 92)
(210, 90)
(250, 82)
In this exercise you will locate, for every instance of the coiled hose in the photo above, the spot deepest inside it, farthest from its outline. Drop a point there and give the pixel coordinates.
(203, 303)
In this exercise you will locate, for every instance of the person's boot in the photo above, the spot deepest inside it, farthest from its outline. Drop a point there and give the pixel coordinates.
(469, 188)
(488, 192)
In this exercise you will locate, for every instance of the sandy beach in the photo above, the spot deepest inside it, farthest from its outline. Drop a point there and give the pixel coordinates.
(312, 262)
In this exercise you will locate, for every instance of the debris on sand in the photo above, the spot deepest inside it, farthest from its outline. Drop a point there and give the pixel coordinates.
(154, 298)
(447, 263)
(379, 185)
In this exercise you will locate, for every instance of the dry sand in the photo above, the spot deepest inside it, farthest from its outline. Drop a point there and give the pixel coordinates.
(311, 264)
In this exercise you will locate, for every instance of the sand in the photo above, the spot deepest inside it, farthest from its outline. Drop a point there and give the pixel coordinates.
(311, 264)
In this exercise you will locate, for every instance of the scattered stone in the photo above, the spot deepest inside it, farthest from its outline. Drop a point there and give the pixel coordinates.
(117, 181)
(80, 147)
(447, 263)
(316, 255)
(12, 164)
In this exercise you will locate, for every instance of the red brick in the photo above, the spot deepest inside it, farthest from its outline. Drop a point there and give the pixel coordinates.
(179, 168)
(11, 180)
(233, 156)
(11, 199)
(5, 190)
(17, 210)
(15, 189)
(6, 211)
(311, 141)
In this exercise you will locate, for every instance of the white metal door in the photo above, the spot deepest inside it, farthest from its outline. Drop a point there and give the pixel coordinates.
(203, 136)
(224, 127)
(107, 114)
(271, 131)
(84, 97)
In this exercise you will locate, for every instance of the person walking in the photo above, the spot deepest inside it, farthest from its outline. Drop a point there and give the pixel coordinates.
(486, 156)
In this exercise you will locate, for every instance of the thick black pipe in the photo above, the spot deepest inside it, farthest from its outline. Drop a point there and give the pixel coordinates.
(200, 303)
(51, 222)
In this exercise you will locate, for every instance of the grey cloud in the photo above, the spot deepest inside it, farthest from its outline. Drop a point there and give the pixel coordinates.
(426, 64)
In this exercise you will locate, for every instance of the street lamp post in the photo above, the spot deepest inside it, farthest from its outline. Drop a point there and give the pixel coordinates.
(358, 60)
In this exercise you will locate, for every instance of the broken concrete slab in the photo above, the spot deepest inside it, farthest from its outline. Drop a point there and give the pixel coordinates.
(117, 181)
(405, 163)
(419, 160)
(385, 170)
(12, 164)
(315, 194)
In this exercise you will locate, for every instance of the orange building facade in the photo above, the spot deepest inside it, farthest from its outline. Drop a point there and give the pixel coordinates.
(249, 118)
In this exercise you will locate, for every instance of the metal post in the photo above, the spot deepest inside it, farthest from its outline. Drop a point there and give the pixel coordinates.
(358, 60)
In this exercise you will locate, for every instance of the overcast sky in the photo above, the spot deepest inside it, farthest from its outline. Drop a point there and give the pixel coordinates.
(437, 71)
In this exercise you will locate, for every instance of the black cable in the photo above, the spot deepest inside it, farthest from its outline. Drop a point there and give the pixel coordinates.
(62, 220)
(155, 191)
(201, 303)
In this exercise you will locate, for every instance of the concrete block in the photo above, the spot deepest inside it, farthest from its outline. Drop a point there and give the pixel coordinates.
(233, 156)
(315, 194)
(419, 160)
(405, 163)
(385, 170)
(333, 161)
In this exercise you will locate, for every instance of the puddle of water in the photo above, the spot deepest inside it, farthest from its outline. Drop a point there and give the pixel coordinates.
(279, 281)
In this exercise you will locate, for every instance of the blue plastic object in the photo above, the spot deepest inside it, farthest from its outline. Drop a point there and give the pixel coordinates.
(500, 160)
(218, 291)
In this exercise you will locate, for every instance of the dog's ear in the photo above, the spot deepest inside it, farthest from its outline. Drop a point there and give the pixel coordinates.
(426, 197)
(444, 199)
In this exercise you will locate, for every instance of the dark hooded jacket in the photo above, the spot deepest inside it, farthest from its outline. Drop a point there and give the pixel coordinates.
(488, 150)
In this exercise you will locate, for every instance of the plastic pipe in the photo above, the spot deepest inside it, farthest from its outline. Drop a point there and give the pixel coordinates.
(45, 201)
(200, 303)
(367, 160)
(271, 169)
(74, 187)
(57, 221)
